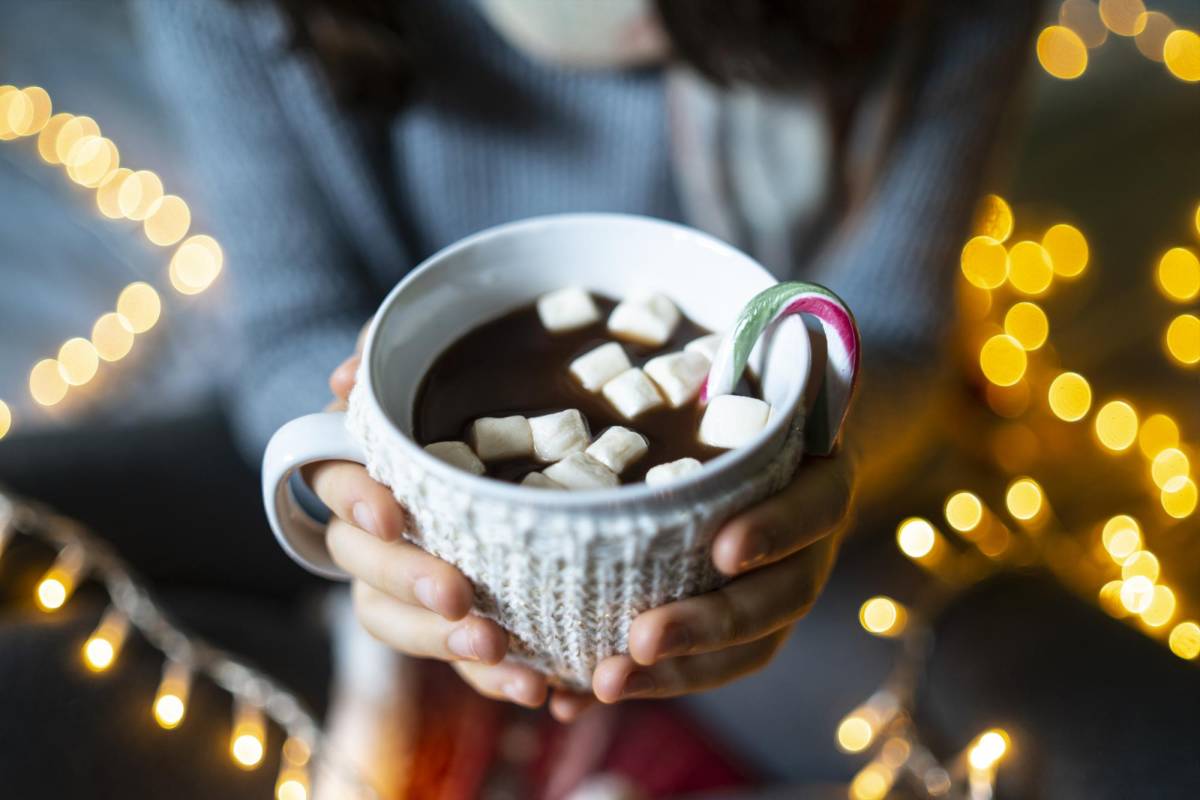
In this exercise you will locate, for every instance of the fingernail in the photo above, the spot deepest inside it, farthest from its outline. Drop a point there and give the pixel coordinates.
(637, 683)
(425, 589)
(754, 550)
(364, 518)
(461, 642)
(513, 691)
(676, 640)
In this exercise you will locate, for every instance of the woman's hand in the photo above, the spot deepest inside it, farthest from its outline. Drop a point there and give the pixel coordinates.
(780, 553)
(410, 600)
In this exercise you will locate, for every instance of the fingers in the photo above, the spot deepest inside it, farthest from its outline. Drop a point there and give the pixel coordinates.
(566, 706)
(418, 632)
(341, 380)
(355, 497)
(621, 678)
(401, 570)
(505, 681)
(743, 610)
(812, 505)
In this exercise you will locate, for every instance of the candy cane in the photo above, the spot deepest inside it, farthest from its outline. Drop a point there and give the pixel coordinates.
(842, 344)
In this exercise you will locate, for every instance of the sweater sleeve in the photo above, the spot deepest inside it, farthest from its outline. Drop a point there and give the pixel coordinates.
(894, 260)
(296, 299)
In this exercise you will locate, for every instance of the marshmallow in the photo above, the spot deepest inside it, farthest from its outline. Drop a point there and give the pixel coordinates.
(631, 393)
(498, 438)
(732, 420)
(705, 345)
(567, 309)
(539, 481)
(581, 471)
(617, 448)
(678, 376)
(597, 367)
(648, 319)
(556, 436)
(665, 473)
(456, 454)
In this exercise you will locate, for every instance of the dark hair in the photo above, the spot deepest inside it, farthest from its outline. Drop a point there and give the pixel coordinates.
(366, 49)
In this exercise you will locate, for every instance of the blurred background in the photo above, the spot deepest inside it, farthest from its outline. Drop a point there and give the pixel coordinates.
(1052, 551)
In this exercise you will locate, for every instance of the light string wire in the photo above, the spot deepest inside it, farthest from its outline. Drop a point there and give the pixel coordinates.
(253, 692)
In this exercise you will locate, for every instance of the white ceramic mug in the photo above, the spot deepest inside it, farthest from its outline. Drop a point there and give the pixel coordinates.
(564, 572)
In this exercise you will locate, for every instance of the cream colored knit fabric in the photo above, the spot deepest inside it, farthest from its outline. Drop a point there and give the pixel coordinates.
(565, 584)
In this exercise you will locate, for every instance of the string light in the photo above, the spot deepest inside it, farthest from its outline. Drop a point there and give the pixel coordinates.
(1061, 52)
(196, 264)
(107, 193)
(1083, 17)
(104, 645)
(984, 262)
(113, 337)
(138, 194)
(858, 729)
(1179, 275)
(883, 616)
(919, 540)
(1027, 323)
(873, 782)
(91, 159)
(70, 132)
(1030, 269)
(48, 137)
(1184, 640)
(1067, 248)
(1025, 499)
(1003, 360)
(1181, 54)
(1157, 433)
(168, 221)
(1121, 537)
(58, 584)
(1182, 339)
(1170, 463)
(993, 219)
(1156, 26)
(1116, 425)
(247, 742)
(1070, 396)
(1122, 17)
(1161, 608)
(170, 702)
(1179, 497)
(139, 307)
(988, 749)
(46, 384)
(1143, 563)
(1136, 594)
(964, 512)
(78, 361)
(1110, 599)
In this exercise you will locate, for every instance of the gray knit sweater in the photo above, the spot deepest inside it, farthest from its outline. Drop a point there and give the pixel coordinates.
(321, 211)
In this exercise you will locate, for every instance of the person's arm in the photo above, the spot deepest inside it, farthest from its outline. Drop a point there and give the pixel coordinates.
(296, 298)
(895, 259)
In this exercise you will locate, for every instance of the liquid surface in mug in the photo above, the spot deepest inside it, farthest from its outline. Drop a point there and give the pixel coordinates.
(513, 365)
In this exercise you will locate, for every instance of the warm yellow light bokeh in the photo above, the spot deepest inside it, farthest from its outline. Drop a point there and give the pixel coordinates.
(1181, 54)
(196, 264)
(1136, 594)
(98, 654)
(46, 384)
(168, 711)
(873, 782)
(1003, 360)
(1179, 274)
(1083, 17)
(291, 788)
(91, 160)
(1030, 269)
(140, 305)
(296, 751)
(70, 132)
(1156, 26)
(170, 702)
(1123, 17)
(984, 262)
(1182, 339)
(1061, 52)
(1179, 497)
(1070, 396)
(1116, 425)
(988, 750)
(854, 734)
(77, 361)
(1156, 434)
(1184, 640)
(1110, 599)
(916, 537)
(138, 194)
(168, 221)
(1143, 563)
(1169, 464)
(52, 591)
(104, 645)
(113, 337)
(993, 218)
(1024, 499)
(1161, 608)
(108, 191)
(883, 616)
(29, 111)
(1068, 249)
(964, 511)
(247, 750)
(5, 419)
(1027, 323)
(1008, 401)
(247, 741)
(48, 138)
(1122, 536)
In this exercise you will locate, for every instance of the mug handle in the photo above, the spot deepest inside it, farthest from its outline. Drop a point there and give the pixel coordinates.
(304, 440)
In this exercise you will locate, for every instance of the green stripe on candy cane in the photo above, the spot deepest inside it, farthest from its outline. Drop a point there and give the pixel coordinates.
(843, 352)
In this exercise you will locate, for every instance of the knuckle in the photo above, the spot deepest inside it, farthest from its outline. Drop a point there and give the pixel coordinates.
(729, 619)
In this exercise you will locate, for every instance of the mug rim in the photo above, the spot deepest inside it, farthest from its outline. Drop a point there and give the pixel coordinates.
(711, 471)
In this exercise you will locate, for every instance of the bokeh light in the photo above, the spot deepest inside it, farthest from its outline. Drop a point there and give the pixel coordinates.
(1156, 26)
(104, 645)
(5, 419)
(48, 138)
(1181, 54)
(138, 194)
(985, 262)
(1184, 640)
(91, 160)
(98, 654)
(108, 191)
(1179, 274)
(883, 616)
(1027, 323)
(988, 750)
(873, 782)
(1083, 17)
(77, 361)
(1070, 396)
(916, 537)
(1142, 563)
(1161, 608)
(1167, 465)
(1123, 17)
(168, 221)
(1136, 594)
(46, 384)
(30, 113)
(1110, 599)
(1068, 249)
(1061, 52)
(291, 787)
(140, 306)
(1003, 360)
(1116, 425)
(247, 740)
(964, 511)
(113, 337)
(70, 132)
(1024, 499)
(196, 264)
(170, 702)
(1157, 433)
(1121, 537)
(1030, 269)
(1179, 497)
(993, 218)
(854, 734)
(1182, 339)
